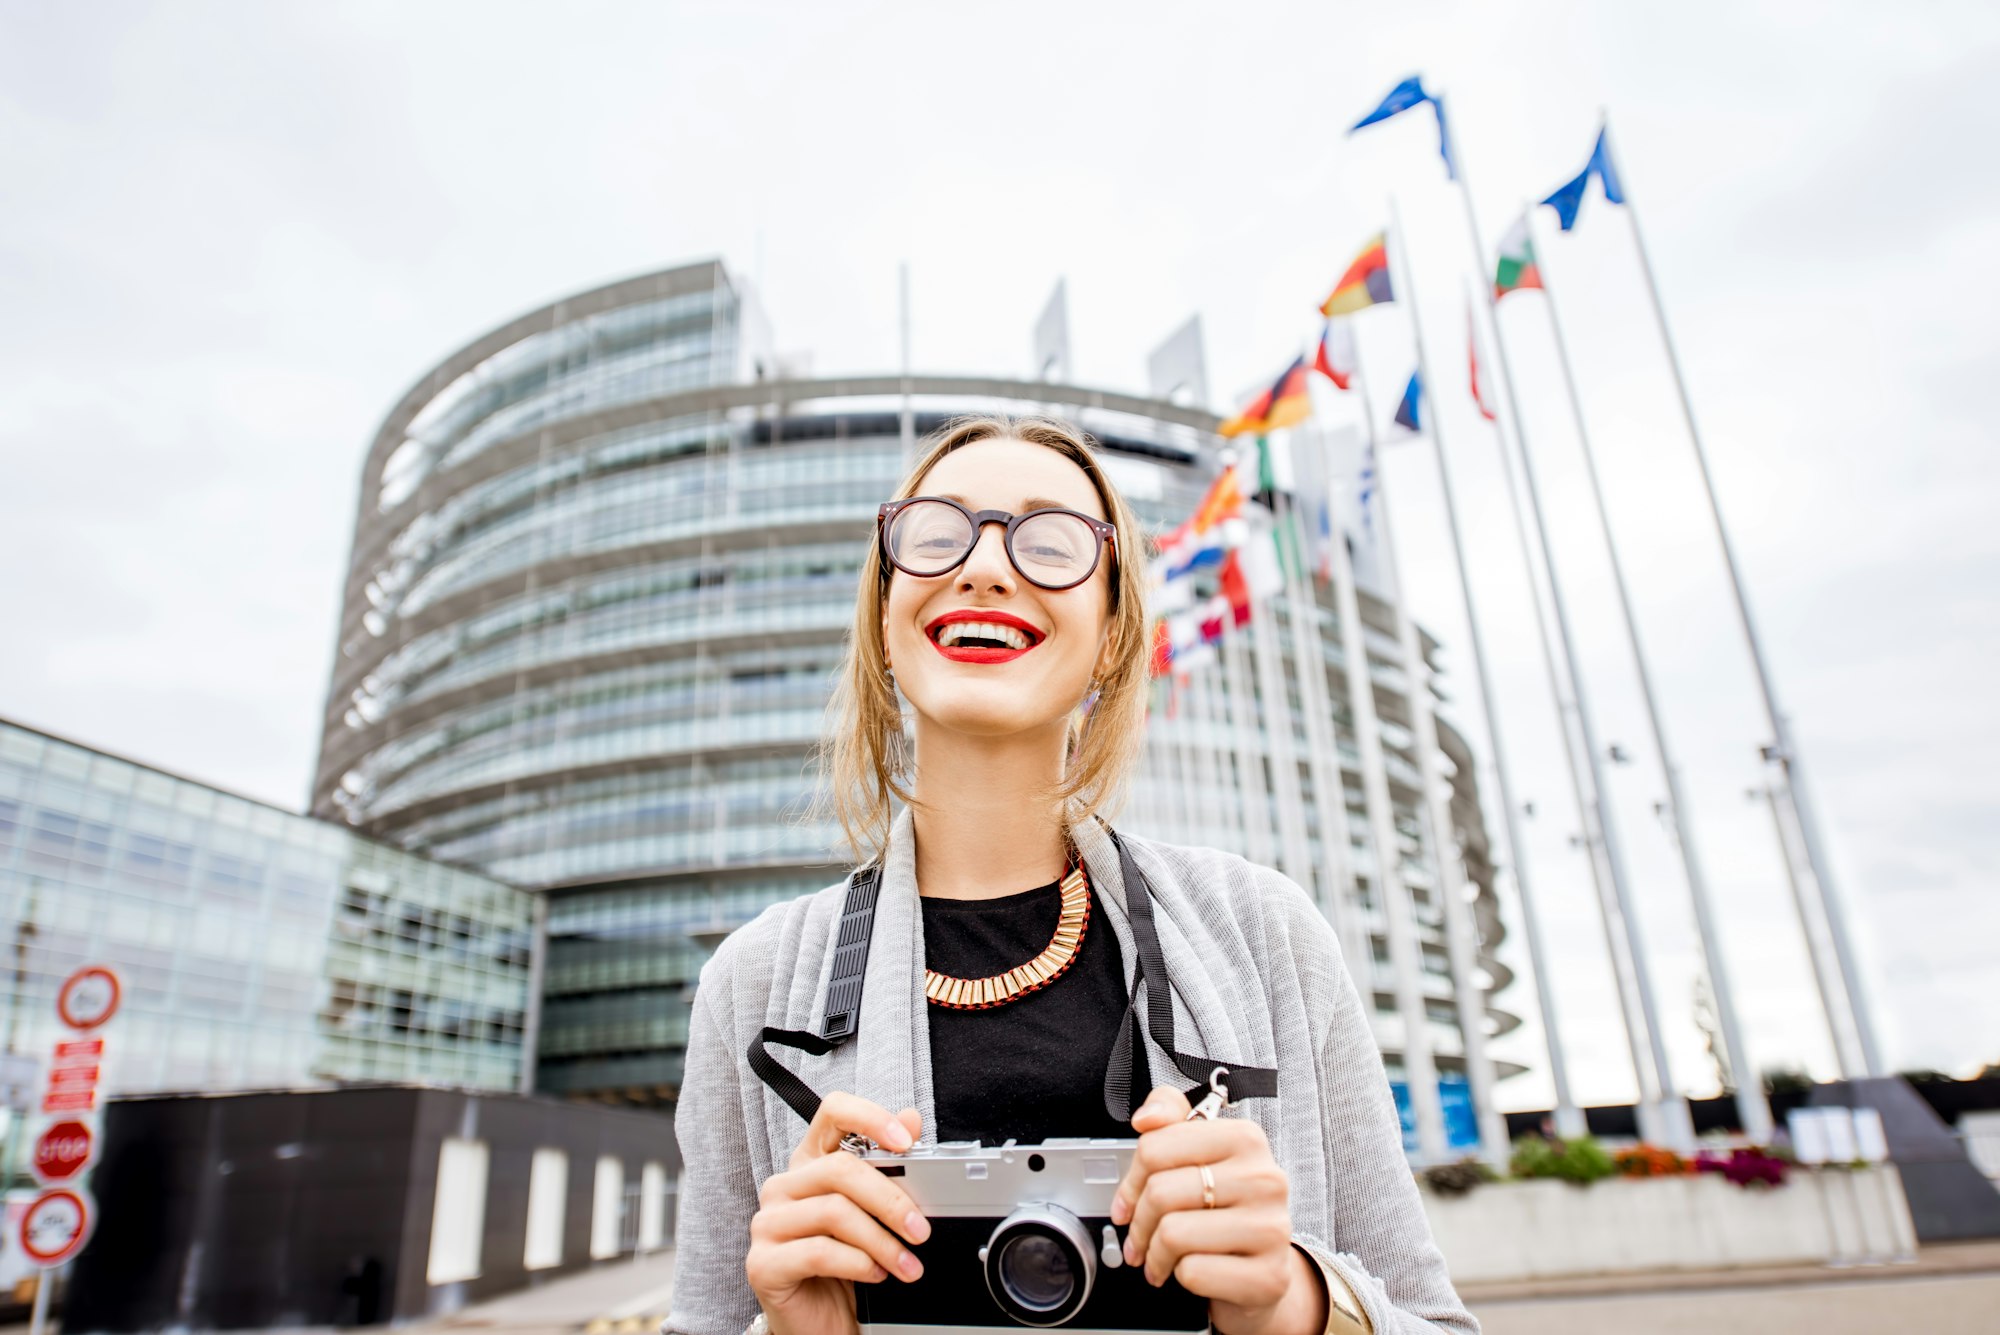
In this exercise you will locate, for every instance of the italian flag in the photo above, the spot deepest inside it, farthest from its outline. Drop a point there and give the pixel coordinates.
(1517, 261)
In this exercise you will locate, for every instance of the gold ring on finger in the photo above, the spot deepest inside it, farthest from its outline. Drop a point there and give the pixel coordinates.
(1207, 1187)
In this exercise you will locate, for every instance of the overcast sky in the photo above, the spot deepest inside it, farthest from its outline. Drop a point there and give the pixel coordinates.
(231, 236)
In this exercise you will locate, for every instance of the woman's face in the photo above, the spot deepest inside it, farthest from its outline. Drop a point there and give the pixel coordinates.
(1067, 630)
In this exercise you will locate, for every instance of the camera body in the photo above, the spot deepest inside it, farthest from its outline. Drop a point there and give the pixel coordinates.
(1021, 1236)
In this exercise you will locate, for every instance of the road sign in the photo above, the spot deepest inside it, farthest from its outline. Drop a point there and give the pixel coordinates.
(63, 1150)
(55, 1226)
(89, 997)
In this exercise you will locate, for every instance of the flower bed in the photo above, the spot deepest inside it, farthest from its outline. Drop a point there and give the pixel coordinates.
(1640, 1217)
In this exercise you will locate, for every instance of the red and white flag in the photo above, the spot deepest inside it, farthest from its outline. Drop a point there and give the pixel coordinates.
(1336, 358)
(1472, 361)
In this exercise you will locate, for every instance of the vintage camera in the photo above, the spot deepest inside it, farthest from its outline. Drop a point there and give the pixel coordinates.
(1021, 1235)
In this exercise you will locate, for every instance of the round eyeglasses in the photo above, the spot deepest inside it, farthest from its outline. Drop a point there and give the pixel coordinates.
(1053, 548)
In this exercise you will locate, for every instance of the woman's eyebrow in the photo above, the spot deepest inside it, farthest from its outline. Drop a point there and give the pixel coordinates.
(1032, 503)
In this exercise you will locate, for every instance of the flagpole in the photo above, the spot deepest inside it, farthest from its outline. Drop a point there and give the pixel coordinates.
(1460, 943)
(1336, 871)
(1649, 1054)
(1751, 1106)
(1570, 1120)
(1405, 954)
(1783, 748)
(1461, 934)
(1823, 978)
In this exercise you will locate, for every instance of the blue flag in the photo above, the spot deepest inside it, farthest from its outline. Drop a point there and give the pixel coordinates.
(1409, 413)
(1405, 95)
(1365, 493)
(1409, 93)
(1568, 198)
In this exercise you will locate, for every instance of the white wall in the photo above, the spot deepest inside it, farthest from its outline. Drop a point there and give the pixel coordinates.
(1541, 1230)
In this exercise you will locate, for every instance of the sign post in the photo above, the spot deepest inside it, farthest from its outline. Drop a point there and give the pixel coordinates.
(57, 1223)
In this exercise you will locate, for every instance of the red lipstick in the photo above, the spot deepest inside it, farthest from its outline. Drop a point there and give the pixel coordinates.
(971, 654)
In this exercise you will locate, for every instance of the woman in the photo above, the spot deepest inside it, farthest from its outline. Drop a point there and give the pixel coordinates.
(1004, 592)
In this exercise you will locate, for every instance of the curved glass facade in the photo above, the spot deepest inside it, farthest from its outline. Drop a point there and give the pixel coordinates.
(600, 582)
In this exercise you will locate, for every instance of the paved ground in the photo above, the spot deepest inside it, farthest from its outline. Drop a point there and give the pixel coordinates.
(1935, 1305)
(627, 1298)
(1949, 1290)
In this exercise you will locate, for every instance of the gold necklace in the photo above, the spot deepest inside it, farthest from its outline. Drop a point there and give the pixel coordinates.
(978, 994)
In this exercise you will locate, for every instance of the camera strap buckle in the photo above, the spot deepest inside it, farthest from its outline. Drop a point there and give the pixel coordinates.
(1215, 1100)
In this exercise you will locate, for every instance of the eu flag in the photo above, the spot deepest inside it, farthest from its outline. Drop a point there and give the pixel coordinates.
(1409, 413)
(1410, 93)
(1568, 198)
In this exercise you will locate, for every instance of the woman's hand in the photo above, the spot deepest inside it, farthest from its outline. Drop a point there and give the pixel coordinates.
(1239, 1254)
(820, 1225)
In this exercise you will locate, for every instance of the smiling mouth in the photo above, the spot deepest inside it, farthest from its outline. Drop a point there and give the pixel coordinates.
(982, 641)
(982, 635)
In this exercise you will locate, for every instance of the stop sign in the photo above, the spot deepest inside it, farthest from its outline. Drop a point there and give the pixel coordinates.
(63, 1151)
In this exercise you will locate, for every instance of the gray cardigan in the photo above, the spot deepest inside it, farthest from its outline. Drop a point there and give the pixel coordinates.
(1257, 976)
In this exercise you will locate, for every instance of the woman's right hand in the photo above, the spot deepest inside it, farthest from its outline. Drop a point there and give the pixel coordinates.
(831, 1219)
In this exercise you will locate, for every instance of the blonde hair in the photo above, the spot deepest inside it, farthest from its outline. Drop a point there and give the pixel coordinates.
(865, 758)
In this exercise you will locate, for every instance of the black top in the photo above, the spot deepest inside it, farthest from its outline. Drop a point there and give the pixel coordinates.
(1033, 1068)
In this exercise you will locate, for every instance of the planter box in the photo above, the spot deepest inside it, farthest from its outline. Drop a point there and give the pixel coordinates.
(1546, 1230)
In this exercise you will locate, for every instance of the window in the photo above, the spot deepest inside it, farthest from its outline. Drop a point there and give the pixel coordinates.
(459, 1213)
(652, 1206)
(548, 1190)
(607, 1208)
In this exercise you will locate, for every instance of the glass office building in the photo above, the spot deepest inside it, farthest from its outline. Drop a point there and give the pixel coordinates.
(603, 564)
(258, 949)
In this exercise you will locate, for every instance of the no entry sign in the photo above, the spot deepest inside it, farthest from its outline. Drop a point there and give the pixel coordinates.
(63, 1150)
(89, 997)
(55, 1226)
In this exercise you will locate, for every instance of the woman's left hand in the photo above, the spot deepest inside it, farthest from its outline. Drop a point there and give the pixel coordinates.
(1238, 1254)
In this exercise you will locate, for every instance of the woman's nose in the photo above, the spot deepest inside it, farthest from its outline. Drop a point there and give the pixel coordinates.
(986, 565)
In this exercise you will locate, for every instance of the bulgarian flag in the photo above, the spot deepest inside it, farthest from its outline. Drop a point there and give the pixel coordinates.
(1517, 261)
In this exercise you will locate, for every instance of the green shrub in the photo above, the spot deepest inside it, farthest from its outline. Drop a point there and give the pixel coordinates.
(1457, 1179)
(1579, 1162)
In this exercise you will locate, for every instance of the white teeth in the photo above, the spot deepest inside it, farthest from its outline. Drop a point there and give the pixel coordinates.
(1010, 636)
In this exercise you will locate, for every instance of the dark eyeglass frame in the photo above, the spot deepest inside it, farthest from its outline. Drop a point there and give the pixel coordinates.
(1106, 535)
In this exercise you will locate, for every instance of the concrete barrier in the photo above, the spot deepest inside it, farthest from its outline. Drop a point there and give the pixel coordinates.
(1546, 1229)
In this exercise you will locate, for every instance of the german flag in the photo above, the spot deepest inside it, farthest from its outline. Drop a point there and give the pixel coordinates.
(1285, 403)
(1366, 282)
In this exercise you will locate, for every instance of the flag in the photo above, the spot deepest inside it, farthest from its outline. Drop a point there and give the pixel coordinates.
(1284, 404)
(1323, 544)
(1409, 93)
(1517, 268)
(1366, 282)
(1266, 494)
(1405, 95)
(1337, 358)
(1409, 412)
(1472, 360)
(1262, 568)
(1568, 198)
(1223, 500)
(1364, 492)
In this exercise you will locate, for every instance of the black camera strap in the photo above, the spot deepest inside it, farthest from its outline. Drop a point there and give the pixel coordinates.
(1243, 1082)
(850, 964)
(843, 999)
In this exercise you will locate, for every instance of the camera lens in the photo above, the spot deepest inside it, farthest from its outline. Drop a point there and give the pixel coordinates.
(1036, 1272)
(1040, 1265)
